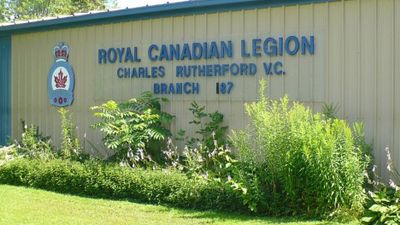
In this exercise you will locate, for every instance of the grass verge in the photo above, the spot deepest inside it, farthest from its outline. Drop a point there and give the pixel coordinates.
(19, 205)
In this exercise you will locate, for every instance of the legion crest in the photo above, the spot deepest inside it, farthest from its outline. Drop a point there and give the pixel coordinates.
(61, 78)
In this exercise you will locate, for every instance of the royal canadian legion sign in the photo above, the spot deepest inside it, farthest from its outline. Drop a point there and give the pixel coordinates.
(186, 57)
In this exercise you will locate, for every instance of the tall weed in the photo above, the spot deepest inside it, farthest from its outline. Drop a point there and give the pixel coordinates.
(295, 162)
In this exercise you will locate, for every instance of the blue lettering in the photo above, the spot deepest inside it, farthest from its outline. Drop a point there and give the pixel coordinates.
(281, 46)
(136, 55)
(112, 55)
(256, 47)
(270, 47)
(217, 70)
(175, 51)
(179, 71)
(243, 69)
(202, 70)
(186, 52)
(288, 45)
(102, 54)
(252, 69)
(127, 72)
(186, 87)
(171, 88)
(234, 69)
(195, 88)
(156, 88)
(150, 52)
(243, 47)
(307, 45)
(194, 68)
(128, 55)
(278, 68)
(154, 72)
(134, 73)
(161, 71)
(225, 69)
(119, 72)
(120, 52)
(141, 72)
(164, 88)
(163, 53)
(197, 50)
(205, 50)
(214, 50)
(268, 68)
(209, 70)
(179, 88)
(226, 49)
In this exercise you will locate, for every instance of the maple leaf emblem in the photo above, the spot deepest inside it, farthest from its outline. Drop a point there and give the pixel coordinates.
(60, 80)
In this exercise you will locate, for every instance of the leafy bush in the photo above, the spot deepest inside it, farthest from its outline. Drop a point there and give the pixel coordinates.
(383, 205)
(97, 179)
(215, 163)
(210, 164)
(7, 154)
(208, 127)
(206, 154)
(292, 161)
(33, 144)
(130, 127)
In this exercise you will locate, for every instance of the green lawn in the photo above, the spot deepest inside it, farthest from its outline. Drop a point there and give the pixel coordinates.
(19, 205)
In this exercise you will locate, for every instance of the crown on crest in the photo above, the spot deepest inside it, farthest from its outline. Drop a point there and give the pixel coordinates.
(61, 51)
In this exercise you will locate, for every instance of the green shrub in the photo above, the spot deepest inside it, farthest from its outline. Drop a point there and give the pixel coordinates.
(7, 154)
(208, 127)
(33, 144)
(383, 205)
(131, 127)
(94, 178)
(215, 163)
(292, 161)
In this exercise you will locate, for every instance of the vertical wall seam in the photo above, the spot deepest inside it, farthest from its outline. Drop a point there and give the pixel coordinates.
(297, 56)
(343, 67)
(327, 75)
(375, 78)
(11, 90)
(269, 31)
(313, 60)
(283, 57)
(393, 76)
(359, 98)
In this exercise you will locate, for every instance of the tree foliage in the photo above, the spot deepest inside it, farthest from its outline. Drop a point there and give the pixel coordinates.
(131, 127)
(32, 9)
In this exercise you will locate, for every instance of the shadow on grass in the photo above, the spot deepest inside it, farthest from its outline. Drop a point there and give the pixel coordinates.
(223, 216)
(192, 213)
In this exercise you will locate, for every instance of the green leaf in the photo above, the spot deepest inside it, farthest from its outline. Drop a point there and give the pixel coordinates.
(368, 219)
(378, 208)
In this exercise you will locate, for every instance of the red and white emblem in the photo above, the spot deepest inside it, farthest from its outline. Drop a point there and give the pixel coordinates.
(60, 79)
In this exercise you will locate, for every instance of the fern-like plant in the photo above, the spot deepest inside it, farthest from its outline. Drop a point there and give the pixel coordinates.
(130, 127)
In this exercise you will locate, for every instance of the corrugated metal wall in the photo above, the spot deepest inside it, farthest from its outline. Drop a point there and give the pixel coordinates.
(356, 65)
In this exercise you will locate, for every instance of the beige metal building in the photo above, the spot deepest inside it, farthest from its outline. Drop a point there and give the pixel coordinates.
(344, 52)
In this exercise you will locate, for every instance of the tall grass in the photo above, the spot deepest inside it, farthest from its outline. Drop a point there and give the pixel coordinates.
(295, 162)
